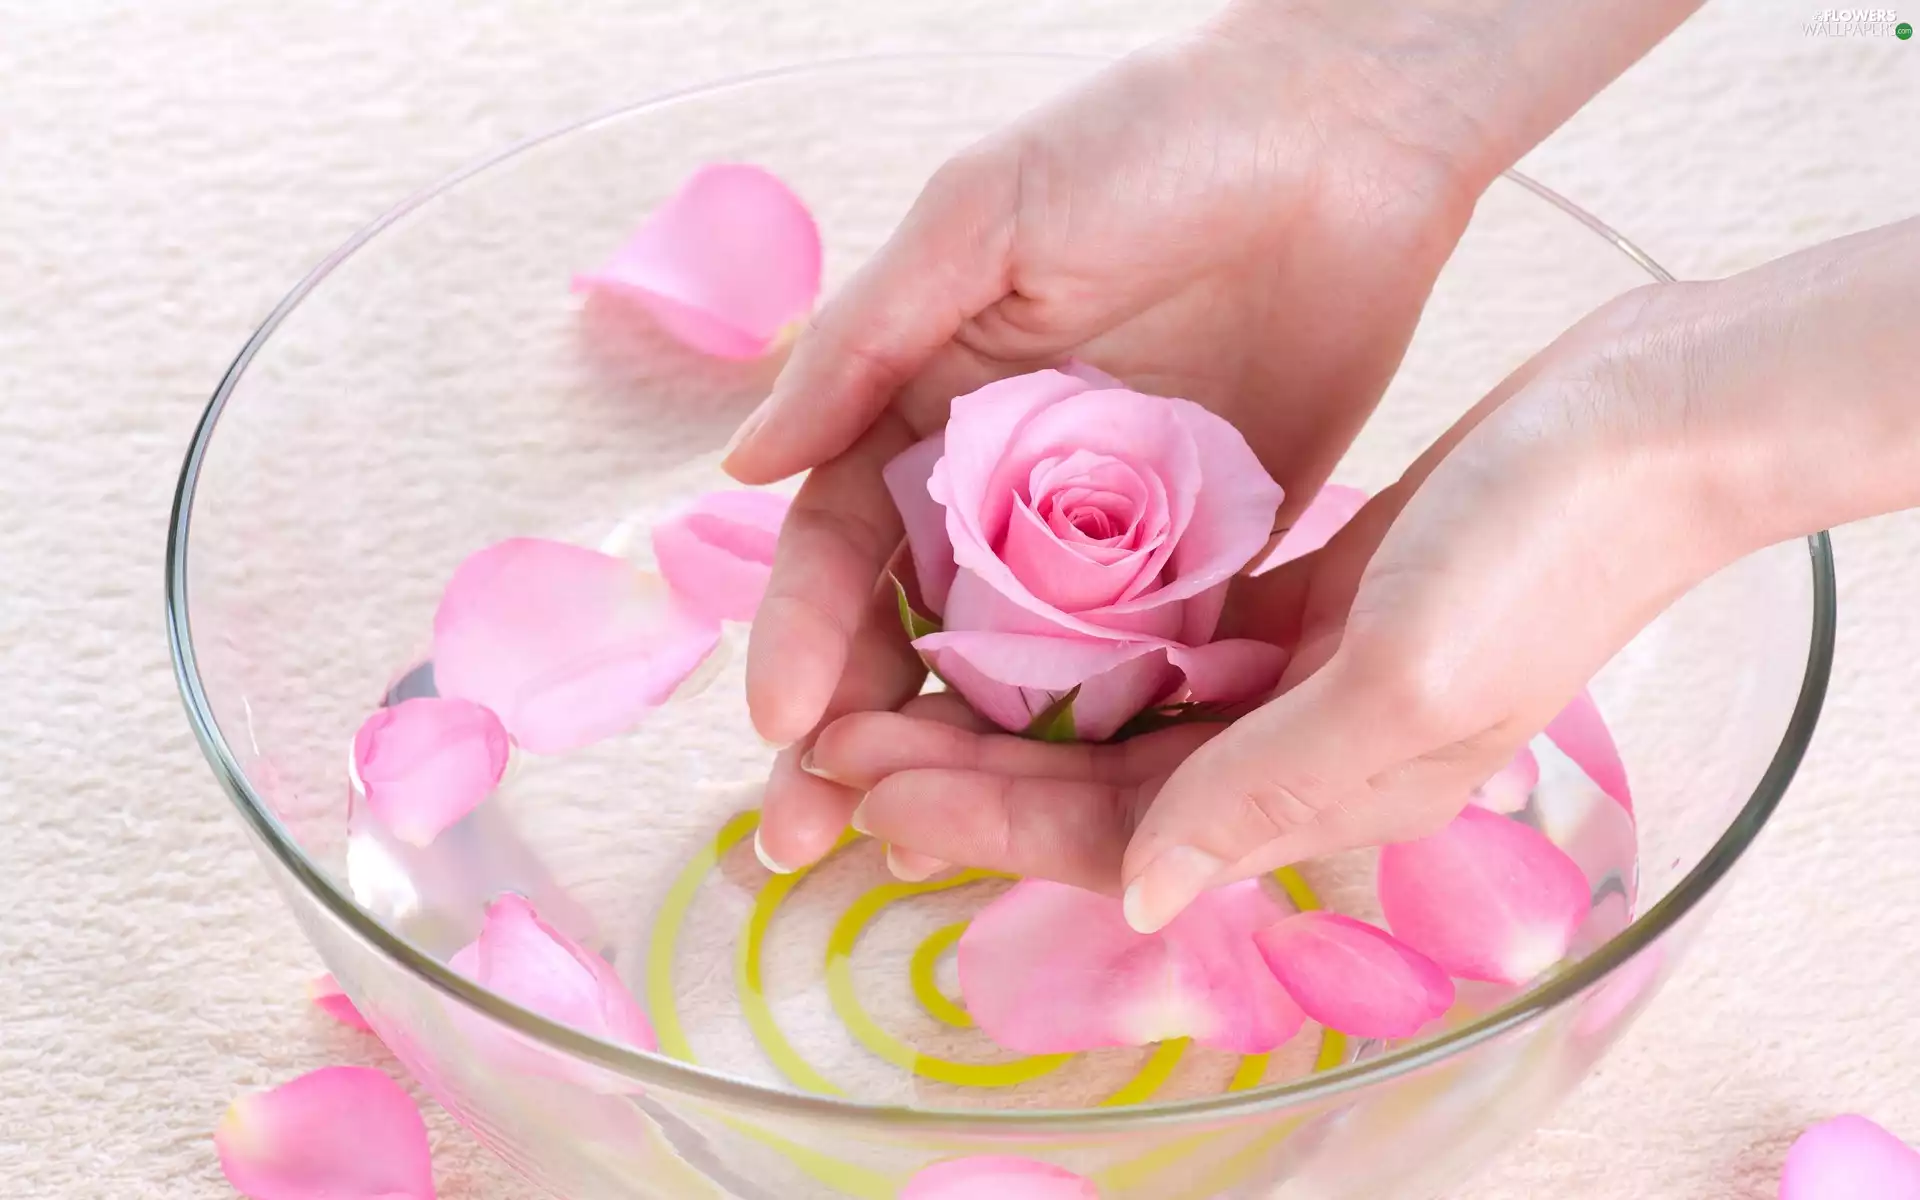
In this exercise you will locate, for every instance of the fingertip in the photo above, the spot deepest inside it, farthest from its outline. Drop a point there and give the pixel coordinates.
(795, 655)
(802, 817)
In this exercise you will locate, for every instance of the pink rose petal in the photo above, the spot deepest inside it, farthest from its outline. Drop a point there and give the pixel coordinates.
(1230, 671)
(925, 519)
(567, 645)
(718, 553)
(1048, 968)
(426, 763)
(1850, 1158)
(339, 1133)
(1333, 506)
(1091, 374)
(1349, 976)
(1512, 786)
(1233, 513)
(521, 958)
(1582, 735)
(329, 999)
(725, 265)
(1487, 898)
(998, 1178)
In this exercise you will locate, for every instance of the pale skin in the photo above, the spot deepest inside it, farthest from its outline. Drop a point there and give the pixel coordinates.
(1251, 218)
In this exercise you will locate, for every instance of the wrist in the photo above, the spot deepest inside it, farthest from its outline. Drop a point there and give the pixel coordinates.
(1475, 84)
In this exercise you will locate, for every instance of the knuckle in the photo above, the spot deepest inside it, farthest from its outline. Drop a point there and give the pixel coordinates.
(1277, 808)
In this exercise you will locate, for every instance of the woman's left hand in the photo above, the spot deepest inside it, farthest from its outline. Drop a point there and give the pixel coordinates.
(1674, 430)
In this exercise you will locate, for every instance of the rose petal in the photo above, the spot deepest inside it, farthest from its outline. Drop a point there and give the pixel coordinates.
(718, 553)
(1850, 1158)
(426, 763)
(974, 604)
(1582, 735)
(1090, 373)
(1233, 514)
(925, 518)
(1487, 898)
(339, 1133)
(521, 958)
(567, 645)
(992, 1177)
(1355, 978)
(1333, 506)
(980, 426)
(1048, 968)
(328, 998)
(1229, 671)
(1146, 432)
(1512, 786)
(725, 265)
(1062, 574)
(1116, 679)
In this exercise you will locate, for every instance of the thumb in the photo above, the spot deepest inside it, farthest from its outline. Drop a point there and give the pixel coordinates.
(946, 262)
(1347, 758)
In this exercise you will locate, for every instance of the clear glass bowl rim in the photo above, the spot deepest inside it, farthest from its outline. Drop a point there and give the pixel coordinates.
(694, 1081)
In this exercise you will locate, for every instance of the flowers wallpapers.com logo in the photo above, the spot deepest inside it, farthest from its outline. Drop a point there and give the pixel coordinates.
(1858, 22)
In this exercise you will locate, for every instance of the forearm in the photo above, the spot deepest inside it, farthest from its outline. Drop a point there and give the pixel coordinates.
(1479, 82)
(1801, 401)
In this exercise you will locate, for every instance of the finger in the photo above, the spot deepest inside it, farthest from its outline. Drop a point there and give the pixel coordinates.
(839, 535)
(946, 262)
(802, 814)
(1292, 777)
(1073, 831)
(863, 748)
(910, 866)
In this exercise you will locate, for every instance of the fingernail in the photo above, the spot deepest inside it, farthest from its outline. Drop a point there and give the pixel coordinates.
(754, 420)
(1168, 885)
(766, 860)
(909, 867)
(812, 768)
(768, 742)
(859, 819)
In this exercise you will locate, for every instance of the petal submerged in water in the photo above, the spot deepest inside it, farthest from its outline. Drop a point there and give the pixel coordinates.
(1048, 969)
(567, 645)
(726, 265)
(1486, 898)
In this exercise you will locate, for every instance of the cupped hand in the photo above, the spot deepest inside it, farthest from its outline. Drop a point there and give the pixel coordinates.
(1250, 222)
(1442, 627)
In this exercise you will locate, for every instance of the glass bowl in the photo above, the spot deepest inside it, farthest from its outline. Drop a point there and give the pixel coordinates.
(434, 387)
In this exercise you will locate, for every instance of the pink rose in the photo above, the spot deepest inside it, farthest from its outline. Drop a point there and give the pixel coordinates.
(1070, 533)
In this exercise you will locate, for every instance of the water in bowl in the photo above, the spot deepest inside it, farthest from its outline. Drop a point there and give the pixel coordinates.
(837, 980)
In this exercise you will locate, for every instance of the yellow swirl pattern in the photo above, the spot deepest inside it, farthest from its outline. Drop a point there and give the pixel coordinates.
(864, 1183)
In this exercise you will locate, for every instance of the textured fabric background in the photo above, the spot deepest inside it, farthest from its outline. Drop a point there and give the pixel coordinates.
(167, 169)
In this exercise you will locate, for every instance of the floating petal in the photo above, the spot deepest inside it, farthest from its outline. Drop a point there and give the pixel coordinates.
(521, 958)
(428, 762)
(565, 644)
(725, 265)
(1048, 968)
(718, 553)
(1582, 735)
(1486, 898)
(1349, 976)
(1512, 786)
